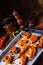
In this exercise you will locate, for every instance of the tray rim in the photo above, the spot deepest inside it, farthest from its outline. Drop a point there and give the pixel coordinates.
(34, 30)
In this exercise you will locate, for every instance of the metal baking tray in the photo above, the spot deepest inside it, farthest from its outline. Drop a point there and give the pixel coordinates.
(14, 42)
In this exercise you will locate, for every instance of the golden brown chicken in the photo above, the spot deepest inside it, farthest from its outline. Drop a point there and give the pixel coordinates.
(23, 49)
(23, 45)
(31, 52)
(26, 35)
(7, 59)
(13, 50)
(40, 42)
(33, 38)
(23, 59)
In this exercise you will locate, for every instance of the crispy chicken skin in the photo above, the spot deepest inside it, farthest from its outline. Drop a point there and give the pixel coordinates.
(13, 50)
(7, 59)
(23, 59)
(33, 38)
(23, 49)
(31, 52)
(21, 43)
(26, 35)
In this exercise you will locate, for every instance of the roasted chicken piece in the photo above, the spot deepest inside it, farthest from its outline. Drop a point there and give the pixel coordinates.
(23, 59)
(23, 49)
(13, 50)
(20, 61)
(40, 42)
(21, 43)
(7, 59)
(31, 52)
(26, 35)
(33, 38)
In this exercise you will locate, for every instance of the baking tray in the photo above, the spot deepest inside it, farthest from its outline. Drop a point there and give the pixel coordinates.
(14, 42)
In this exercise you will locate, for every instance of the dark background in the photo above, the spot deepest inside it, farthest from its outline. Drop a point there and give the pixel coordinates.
(7, 6)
